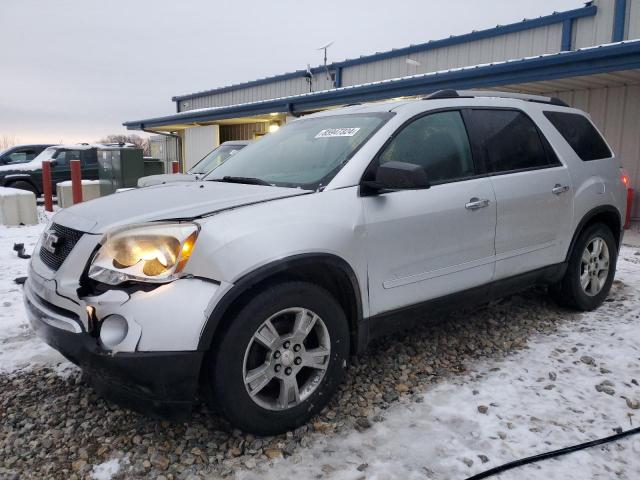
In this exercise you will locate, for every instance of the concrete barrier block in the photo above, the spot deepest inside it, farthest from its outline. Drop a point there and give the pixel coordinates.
(17, 207)
(90, 190)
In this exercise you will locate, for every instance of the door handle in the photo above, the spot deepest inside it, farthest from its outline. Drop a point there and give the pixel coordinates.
(475, 203)
(558, 189)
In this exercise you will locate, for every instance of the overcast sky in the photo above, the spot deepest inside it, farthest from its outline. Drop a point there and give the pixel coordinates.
(74, 70)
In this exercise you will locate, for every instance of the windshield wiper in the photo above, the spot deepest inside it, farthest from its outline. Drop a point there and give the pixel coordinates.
(245, 180)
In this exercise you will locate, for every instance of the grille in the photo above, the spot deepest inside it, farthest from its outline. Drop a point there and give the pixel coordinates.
(67, 239)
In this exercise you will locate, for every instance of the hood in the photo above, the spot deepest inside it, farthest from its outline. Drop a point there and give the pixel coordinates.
(165, 202)
(166, 178)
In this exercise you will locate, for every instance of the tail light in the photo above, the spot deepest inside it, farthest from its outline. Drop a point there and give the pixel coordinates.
(624, 178)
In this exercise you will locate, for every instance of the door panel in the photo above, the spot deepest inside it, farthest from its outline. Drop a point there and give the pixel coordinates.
(423, 244)
(533, 222)
(532, 188)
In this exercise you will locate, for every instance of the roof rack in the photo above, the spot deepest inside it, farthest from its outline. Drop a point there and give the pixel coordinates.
(440, 94)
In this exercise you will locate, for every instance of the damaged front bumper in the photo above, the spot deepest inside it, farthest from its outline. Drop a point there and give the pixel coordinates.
(161, 383)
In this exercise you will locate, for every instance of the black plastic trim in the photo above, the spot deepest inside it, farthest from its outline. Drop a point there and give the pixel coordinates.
(589, 216)
(411, 315)
(253, 278)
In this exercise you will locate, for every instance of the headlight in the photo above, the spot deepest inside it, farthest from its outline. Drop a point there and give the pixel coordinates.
(152, 253)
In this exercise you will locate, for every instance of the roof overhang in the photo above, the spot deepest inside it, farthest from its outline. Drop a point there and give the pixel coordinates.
(587, 61)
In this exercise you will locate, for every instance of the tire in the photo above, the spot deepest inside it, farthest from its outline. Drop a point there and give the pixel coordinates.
(270, 318)
(22, 185)
(570, 291)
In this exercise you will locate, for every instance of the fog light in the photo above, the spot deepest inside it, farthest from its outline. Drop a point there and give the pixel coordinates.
(113, 330)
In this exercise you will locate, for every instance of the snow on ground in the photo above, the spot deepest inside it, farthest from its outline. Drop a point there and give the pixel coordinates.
(540, 399)
(106, 470)
(19, 347)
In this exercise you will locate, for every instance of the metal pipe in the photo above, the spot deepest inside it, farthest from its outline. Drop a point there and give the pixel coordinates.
(46, 185)
(76, 181)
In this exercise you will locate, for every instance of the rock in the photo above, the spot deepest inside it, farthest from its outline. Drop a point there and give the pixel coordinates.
(483, 458)
(552, 376)
(79, 465)
(362, 467)
(468, 462)
(483, 409)
(606, 387)
(323, 427)
(402, 388)
(160, 462)
(587, 360)
(362, 423)
(632, 403)
(272, 453)
(390, 397)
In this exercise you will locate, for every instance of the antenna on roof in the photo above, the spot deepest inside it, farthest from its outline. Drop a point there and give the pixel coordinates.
(325, 48)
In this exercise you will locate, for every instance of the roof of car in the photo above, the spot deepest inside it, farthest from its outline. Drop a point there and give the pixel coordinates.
(237, 142)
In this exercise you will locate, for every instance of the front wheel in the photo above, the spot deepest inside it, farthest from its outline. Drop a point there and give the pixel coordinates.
(592, 266)
(280, 359)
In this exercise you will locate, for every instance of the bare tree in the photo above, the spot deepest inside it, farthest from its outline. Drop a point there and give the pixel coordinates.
(137, 140)
(7, 141)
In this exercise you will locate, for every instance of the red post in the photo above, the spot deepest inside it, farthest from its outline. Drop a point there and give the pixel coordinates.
(175, 167)
(76, 181)
(627, 221)
(46, 185)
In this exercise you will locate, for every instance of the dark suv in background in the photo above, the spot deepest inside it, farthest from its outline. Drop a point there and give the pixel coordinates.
(28, 175)
(21, 153)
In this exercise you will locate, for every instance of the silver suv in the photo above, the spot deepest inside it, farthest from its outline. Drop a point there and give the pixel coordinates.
(257, 284)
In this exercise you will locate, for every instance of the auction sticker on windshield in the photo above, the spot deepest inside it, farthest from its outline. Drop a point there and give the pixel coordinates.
(337, 132)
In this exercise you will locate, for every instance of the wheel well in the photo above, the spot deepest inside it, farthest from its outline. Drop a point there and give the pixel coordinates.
(25, 180)
(332, 274)
(608, 216)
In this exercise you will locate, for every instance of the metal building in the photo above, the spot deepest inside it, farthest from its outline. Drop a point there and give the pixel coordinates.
(589, 57)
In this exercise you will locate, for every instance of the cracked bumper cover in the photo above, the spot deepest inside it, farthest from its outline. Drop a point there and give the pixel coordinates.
(159, 383)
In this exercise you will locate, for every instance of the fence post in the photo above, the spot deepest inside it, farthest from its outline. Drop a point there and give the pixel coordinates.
(46, 185)
(76, 181)
(175, 167)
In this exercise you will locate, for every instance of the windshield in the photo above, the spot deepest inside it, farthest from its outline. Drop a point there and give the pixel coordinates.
(46, 154)
(214, 158)
(306, 154)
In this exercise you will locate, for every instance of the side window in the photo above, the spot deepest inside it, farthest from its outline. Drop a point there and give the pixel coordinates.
(61, 159)
(437, 142)
(509, 140)
(580, 133)
(17, 157)
(90, 157)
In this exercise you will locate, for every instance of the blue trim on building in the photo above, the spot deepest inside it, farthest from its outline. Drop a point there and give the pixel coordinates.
(588, 61)
(567, 33)
(619, 17)
(552, 19)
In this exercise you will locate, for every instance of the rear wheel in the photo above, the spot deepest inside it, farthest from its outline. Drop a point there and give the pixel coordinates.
(281, 358)
(591, 269)
(22, 185)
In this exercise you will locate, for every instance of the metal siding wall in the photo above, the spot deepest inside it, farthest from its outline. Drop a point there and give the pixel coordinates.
(198, 141)
(537, 41)
(633, 19)
(589, 31)
(244, 131)
(616, 112)
(283, 88)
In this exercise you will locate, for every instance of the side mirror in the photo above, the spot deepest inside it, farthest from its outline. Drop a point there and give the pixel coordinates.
(399, 176)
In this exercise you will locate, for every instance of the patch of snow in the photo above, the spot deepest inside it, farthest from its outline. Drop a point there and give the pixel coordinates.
(539, 399)
(19, 346)
(10, 192)
(106, 470)
(68, 183)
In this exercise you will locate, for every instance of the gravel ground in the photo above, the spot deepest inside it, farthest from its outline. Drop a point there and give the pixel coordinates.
(53, 426)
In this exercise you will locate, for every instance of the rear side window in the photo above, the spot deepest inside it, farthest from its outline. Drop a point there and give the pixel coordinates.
(509, 141)
(580, 133)
(438, 143)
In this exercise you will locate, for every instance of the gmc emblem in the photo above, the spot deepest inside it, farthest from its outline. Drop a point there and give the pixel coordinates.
(50, 241)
